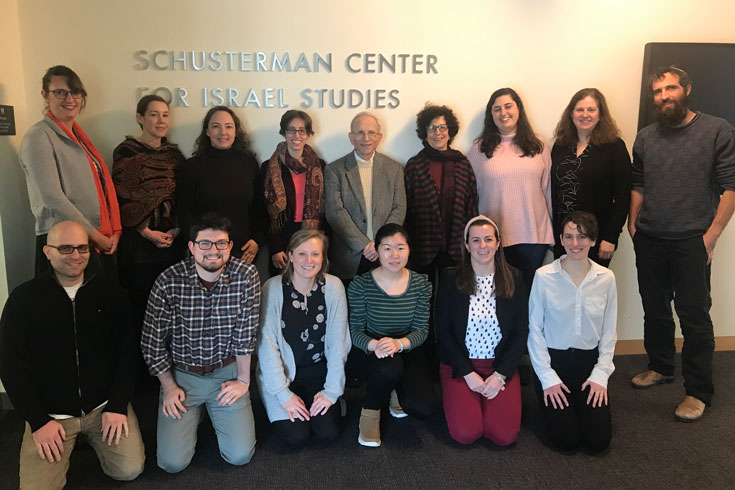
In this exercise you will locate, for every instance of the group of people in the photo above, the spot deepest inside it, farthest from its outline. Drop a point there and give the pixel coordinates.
(402, 276)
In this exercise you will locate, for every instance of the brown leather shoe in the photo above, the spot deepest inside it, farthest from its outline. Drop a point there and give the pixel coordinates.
(690, 410)
(649, 378)
(369, 428)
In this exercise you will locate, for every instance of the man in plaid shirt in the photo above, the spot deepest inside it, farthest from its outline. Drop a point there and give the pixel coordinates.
(198, 336)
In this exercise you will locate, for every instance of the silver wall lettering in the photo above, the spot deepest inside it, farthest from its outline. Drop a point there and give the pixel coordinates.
(181, 94)
(216, 62)
(142, 60)
(260, 58)
(245, 61)
(283, 64)
(154, 59)
(178, 59)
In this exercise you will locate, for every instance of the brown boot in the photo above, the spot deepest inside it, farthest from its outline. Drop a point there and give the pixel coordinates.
(690, 410)
(369, 428)
(649, 378)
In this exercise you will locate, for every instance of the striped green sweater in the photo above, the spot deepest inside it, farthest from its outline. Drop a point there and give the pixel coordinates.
(374, 314)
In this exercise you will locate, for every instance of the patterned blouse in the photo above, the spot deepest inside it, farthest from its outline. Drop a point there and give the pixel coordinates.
(483, 332)
(304, 323)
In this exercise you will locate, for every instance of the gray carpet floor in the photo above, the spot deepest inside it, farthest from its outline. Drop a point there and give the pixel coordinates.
(649, 450)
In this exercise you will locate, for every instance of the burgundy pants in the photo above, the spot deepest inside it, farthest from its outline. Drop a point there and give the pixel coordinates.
(471, 416)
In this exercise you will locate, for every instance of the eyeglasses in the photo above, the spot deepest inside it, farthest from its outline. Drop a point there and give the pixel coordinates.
(69, 249)
(207, 245)
(365, 134)
(293, 131)
(61, 93)
(443, 128)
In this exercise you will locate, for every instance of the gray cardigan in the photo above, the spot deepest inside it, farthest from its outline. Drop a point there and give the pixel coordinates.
(344, 206)
(60, 181)
(276, 364)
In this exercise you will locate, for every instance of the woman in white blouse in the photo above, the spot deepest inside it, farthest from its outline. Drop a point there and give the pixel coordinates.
(481, 325)
(572, 316)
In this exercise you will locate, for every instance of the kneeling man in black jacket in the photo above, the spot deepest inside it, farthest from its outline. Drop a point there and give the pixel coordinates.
(67, 360)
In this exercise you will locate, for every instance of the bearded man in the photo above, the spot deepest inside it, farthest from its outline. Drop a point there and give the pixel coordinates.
(199, 333)
(683, 197)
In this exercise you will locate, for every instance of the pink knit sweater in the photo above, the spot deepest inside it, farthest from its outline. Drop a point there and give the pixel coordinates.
(515, 192)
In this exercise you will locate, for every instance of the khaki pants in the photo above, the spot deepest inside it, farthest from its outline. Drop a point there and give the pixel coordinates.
(124, 461)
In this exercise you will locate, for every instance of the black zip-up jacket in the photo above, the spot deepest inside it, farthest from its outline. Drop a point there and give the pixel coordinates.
(64, 357)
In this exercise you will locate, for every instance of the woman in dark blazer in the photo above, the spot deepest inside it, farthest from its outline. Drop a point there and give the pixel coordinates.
(482, 325)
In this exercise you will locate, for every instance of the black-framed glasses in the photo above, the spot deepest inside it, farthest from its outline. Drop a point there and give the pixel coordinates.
(443, 128)
(293, 131)
(69, 249)
(61, 93)
(220, 244)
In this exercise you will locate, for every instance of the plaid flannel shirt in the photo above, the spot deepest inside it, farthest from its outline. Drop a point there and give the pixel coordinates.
(187, 324)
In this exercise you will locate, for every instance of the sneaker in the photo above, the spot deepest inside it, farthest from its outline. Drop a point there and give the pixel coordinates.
(369, 428)
(394, 407)
(649, 378)
(690, 410)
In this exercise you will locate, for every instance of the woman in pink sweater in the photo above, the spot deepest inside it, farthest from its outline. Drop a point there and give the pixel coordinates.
(512, 167)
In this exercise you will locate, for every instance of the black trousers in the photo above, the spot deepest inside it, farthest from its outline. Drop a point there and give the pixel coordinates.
(326, 427)
(407, 372)
(578, 424)
(677, 270)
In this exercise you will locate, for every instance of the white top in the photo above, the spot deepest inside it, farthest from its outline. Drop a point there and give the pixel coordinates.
(71, 291)
(365, 167)
(563, 316)
(483, 332)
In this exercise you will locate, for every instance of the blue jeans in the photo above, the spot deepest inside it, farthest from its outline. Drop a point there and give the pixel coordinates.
(233, 424)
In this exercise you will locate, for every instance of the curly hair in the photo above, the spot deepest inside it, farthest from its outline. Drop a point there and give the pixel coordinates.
(242, 141)
(606, 131)
(525, 138)
(431, 112)
(585, 222)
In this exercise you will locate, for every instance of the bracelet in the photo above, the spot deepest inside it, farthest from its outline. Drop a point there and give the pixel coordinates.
(500, 378)
(243, 381)
(401, 344)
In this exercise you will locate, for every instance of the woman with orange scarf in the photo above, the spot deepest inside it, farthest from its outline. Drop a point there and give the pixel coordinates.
(67, 178)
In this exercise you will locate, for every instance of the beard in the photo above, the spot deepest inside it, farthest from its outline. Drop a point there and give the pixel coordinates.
(672, 115)
(212, 265)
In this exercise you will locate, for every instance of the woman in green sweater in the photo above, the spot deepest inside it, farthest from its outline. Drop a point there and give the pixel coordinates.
(389, 320)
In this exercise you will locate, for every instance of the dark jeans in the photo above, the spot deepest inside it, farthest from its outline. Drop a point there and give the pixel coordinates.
(526, 257)
(579, 423)
(433, 271)
(677, 270)
(326, 426)
(405, 372)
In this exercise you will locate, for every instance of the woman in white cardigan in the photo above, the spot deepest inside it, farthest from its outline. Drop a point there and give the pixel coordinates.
(304, 342)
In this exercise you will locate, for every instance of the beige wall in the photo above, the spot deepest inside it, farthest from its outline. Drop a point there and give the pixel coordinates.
(546, 50)
(15, 216)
